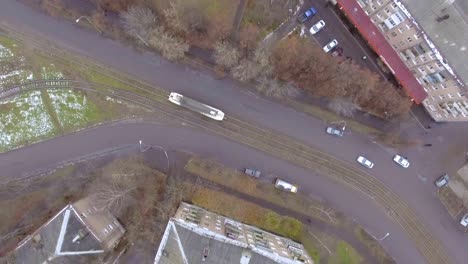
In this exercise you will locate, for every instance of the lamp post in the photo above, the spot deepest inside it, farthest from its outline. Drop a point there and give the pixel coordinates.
(382, 238)
(89, 20)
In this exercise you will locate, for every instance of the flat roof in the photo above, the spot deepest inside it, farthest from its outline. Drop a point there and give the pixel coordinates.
(450, 35)
(379, 44)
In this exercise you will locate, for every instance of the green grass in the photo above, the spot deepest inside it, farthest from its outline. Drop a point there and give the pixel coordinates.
(344, 254)
(328, 116)
(310, 246)
(239, 182)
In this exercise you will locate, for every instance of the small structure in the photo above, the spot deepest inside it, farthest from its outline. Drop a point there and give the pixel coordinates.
(79, 233)
(195, 235)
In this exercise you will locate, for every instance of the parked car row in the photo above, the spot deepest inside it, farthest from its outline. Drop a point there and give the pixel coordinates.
(319, 25)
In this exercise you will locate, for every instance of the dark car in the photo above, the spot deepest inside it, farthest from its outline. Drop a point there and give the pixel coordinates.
(307, 14)
(252, 172)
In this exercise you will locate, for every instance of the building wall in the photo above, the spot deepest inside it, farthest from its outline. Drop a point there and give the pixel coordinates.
(447, 100)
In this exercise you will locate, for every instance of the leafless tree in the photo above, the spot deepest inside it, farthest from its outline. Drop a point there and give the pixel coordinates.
(246, 70)
(171, 47)
(115, 197)
(172, 17)
(138, 22)
(343, 107)
(275, 88)
(226, 54)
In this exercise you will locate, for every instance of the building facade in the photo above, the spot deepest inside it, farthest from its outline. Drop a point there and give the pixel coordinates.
(447, 98)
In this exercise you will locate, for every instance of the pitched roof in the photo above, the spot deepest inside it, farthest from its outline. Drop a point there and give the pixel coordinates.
(68, 237)
(379, 44)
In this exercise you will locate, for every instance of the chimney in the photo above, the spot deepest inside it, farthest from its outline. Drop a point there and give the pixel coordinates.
(245, 257)
(80, 235)
(206, 252)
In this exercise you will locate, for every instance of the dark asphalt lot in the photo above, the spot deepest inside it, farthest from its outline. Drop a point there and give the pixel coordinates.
(409, 184)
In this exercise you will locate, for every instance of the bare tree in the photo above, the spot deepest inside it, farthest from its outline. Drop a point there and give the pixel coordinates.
(138, 22)
(171, 47)
(246, 70)
(114, 197)
(343, 107)
(226, 54)
(275, 88)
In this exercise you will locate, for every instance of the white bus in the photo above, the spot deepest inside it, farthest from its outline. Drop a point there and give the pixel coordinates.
(196, 106)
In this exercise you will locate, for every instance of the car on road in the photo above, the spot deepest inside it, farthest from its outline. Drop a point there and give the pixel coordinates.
(331, 45)
(442, 181)
(401, 161)
(307, 15)
(252, 172)
(335, 132)
(285, 186)
(464, 220)
(365, 162)
(317, 27)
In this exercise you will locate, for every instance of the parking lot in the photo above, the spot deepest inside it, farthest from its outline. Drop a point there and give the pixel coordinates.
(350, 44)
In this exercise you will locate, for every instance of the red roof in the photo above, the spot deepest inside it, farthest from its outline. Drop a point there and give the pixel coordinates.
(379, 44)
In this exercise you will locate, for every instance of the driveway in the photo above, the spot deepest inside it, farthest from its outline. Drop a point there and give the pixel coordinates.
(237, 102)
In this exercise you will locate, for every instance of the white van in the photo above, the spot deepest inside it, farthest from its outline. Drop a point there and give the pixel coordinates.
(285, 186)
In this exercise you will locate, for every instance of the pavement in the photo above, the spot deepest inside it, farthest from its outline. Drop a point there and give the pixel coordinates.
(414, 185)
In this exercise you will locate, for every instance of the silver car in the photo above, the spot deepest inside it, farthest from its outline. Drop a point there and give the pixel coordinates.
(365, 162)
(331, 45)
(464, 220)
(335, 132)
(252, 172)
(442, 181)
(401, 161)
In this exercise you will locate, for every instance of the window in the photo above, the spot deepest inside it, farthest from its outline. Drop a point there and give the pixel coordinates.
(408, 26)
(435, 88)
(409, 39)
(401, 30)
(394, 6)
(443, 86)
(442, 97)
(421, 70)
(432, 56)
(439, 64)
(110, 227)
(430, 67)
(432, 107)
(417, 36)
(450, 96)
(423, 58)
(459, 94)
(394, 34)
(414, 61)
(387, 10)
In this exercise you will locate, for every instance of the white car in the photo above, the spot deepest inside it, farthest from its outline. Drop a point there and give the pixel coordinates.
(365, 162)
(285, 186)
(317, 27)
(401, 161)
(464, 220)
(331, 45)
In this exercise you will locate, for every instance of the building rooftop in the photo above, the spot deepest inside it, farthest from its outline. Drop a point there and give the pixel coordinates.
(449, 34)
(379, 44)
(198, 236)
(66, 238)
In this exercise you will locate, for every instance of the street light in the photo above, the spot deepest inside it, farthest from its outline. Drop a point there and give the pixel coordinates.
(89, 20)
(382, 238)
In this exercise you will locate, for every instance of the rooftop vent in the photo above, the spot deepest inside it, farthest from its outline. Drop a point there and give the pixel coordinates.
(79, 236)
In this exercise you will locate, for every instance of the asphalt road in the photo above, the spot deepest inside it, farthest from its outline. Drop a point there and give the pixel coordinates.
(227, 95)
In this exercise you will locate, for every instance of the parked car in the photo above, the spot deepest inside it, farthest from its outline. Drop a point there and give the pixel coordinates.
(464, 220)
(331, 45)
(442, 181)
(307, 14)
(285, 186)
(401, 161)
(252, 172)
(317, 27)
(335, 132)
(365, 162)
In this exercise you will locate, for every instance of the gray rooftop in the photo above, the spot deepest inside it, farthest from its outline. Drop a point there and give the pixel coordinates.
(450, 35)
(194, 244)
(44, 244)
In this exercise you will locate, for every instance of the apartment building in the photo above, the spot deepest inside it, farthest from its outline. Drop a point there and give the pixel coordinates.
(195, 235)
(446, 94)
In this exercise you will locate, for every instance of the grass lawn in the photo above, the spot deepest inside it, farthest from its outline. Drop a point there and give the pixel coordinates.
(344, 254)
(244, 184)
(36, 115)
